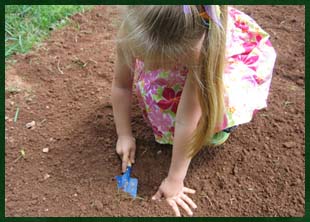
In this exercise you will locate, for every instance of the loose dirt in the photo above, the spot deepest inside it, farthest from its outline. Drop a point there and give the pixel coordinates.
(64, 86)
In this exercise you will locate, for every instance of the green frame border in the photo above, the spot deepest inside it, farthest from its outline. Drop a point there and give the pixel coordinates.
(116, 2)
(158, 2)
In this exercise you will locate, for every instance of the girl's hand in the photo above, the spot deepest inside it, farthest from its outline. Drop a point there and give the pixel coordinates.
(175, 194)
(126, 149)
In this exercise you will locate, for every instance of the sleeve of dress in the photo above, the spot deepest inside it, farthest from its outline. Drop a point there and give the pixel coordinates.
(248, 73)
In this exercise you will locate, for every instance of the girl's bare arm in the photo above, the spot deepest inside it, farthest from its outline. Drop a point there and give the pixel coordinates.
(121, 96)
(187, 117)
(121, 101)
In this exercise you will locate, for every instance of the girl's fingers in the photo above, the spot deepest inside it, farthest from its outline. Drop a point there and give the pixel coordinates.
(132, 156)
(188, 200)
(188, 190)
(157, 195)
(184, 206)
(124, 163)
(174, 206)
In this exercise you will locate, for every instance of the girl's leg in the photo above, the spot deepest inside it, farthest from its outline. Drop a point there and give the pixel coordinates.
(220, 137)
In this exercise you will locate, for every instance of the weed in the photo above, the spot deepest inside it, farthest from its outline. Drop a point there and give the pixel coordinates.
(287, 103)
(12, 89)
(16, 114)
(26, 25)
(22, 155)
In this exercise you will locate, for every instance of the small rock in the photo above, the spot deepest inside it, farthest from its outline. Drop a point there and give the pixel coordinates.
(287, 169)
(75, 195)
(289, 144)
(34, 202)
(297, 152)
(159, 152)
(301, 201)
(98, 205)
(34, 196)
(47, 107)
(235, 170)
(12, 103)
(29, 99)
(78, 190)
(296, 182)
(6, 117)
(46, 176)
(292, 213)
(30, 125)
(45, 150)
(269, 155)
(10, 205)
(83, 207)
(238, 180)
(300, 82)
(299, 181)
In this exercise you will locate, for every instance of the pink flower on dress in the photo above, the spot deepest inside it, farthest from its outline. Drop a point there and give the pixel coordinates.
(162, 82)
(178, 76)
(254, 79)
(249, 46)
(258, 80)
(250, 79)
(233, 13)
(161, 120)
(156, 131)
(171, 99)
(268, 43)
(242, 25)
(247, 60)
(149, 79)
(149, 99)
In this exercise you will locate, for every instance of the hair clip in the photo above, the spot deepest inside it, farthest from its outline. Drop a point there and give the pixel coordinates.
(212, 12)
(186, 9)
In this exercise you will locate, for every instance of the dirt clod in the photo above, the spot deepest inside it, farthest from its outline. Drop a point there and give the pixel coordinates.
(46, 176)
(98, 205)
(30, 124)
(267, 154)
(289, 144)
(45, 150)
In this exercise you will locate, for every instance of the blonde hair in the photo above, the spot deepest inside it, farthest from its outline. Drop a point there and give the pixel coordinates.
(163, 34)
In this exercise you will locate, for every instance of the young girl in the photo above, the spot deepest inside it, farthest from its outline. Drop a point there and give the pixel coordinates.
(201, 70)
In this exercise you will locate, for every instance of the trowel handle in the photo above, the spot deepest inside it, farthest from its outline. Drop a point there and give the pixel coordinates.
(129, 164)
(128, 170)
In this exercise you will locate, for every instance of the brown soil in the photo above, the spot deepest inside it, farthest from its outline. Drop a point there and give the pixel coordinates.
(65, 88)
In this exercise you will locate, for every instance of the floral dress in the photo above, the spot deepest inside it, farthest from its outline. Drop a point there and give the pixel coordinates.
(247, 77)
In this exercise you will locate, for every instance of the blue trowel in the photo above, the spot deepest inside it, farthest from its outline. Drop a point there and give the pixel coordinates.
(126, 183)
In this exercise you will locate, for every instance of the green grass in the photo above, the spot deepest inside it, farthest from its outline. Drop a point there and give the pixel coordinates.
(27, 25)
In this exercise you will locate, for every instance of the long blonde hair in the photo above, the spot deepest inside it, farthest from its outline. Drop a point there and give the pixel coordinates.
(163, 34)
